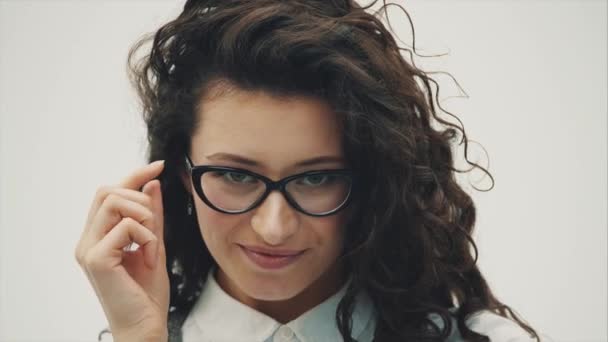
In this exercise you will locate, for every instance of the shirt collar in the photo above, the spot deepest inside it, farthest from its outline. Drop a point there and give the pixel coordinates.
(220, 317)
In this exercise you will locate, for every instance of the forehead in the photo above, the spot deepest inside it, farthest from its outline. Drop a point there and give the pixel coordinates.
(276, 132)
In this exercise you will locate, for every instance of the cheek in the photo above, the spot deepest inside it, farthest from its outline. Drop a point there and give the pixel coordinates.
(328, 234)
(217, 229)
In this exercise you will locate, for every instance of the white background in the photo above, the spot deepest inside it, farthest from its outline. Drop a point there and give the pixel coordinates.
(535, 72)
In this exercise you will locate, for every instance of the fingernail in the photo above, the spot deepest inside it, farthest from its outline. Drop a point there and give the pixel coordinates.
(158, 162)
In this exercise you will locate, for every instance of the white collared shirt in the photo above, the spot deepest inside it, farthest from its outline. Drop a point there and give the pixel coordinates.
(217, 317)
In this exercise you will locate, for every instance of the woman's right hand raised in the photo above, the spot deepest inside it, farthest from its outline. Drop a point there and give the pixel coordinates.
(132, 286)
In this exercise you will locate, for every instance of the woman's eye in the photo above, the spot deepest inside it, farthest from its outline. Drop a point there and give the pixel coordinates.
(315, 180)
(236, 177)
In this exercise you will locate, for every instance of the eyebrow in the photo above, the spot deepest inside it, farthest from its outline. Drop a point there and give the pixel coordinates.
(250, 162)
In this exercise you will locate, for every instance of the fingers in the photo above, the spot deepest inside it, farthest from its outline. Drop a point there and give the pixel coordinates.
(137, 204)
(108, 253)
(153, 189)
(133, 182)
(119, 216)
(114, 209)
(114, 203)
(143, 175)
(104, 191)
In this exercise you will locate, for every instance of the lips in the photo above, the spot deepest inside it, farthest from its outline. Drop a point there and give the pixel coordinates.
(273, 252)
(271, 258)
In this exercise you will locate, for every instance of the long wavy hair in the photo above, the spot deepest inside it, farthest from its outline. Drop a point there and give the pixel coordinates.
(409, 246)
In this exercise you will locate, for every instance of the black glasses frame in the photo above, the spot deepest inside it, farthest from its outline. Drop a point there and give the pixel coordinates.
(196, 172)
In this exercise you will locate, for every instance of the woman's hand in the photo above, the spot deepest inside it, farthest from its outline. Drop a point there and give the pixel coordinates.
(132, 286)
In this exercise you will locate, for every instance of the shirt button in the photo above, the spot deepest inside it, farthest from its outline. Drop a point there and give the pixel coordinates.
(283, 334)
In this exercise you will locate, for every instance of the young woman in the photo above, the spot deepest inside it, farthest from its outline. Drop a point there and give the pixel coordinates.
(307, 191)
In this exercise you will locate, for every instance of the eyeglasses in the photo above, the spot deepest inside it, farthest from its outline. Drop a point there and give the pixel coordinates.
(234, 191)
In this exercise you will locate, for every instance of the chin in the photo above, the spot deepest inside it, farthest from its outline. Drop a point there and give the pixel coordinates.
(270, 288)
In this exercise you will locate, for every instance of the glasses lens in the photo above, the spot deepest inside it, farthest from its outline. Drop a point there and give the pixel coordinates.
(320, 193)
(231, 190)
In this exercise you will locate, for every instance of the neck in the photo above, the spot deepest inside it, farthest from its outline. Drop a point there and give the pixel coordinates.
(284, 311)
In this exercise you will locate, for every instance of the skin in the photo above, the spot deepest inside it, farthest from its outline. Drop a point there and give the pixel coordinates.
(276, 133)
(133, 286)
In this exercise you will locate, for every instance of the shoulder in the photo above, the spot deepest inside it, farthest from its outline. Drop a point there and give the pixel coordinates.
(498, 328)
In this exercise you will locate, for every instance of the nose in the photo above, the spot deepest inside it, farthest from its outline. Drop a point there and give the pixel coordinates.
(275, 221)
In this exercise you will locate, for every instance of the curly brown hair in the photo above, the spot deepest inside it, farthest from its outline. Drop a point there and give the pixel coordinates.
(409, 244)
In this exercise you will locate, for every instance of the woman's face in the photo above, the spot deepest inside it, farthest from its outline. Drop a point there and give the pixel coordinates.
(272, 137)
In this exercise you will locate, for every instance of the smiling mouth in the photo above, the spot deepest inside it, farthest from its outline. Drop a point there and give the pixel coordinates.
(273, 251)
(271, 260)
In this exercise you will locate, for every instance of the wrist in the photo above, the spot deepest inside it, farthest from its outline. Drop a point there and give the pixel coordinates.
(142, 336)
